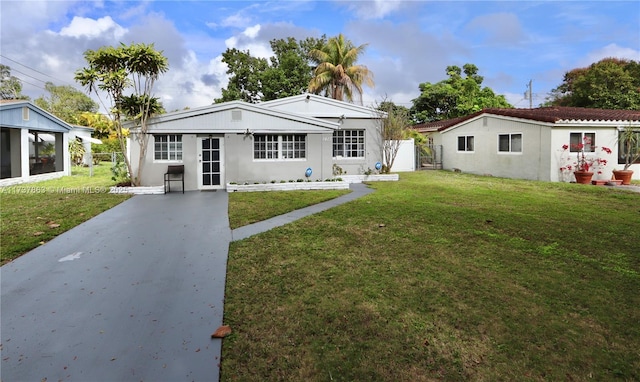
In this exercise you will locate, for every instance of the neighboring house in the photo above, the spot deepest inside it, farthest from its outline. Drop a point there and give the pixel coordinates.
(84, 135)
(239, 142)
(33, 144)
(528, 143)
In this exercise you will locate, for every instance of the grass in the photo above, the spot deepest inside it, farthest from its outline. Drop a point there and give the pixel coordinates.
(442, 276)
(250, 207)
(34, 213)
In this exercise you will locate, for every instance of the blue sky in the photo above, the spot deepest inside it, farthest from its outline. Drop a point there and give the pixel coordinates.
(511, 42)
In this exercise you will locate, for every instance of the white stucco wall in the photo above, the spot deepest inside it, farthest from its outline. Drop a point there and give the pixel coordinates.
(373, 153)
(238, 163)
(406, 157)
(242, 168)
(606, 136)
(542, 155)
(532, 163)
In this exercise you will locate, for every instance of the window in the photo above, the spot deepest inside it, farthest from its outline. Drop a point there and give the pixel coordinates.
(635, 147)
(294, 146)
(290, 146)
(265, 147)
(348, 143)
(510, 143)
(582, 141)
(465, 143)
(167, 147)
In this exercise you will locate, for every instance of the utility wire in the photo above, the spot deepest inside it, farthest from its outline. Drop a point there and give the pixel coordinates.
(35, 70)
(28, 75)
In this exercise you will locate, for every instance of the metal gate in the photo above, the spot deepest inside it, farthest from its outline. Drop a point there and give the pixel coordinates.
(429, 157)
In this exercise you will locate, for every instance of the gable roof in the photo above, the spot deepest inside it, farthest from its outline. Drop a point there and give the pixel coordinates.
(556, 115)
(220, 117)
(11, 112)
(321, 107)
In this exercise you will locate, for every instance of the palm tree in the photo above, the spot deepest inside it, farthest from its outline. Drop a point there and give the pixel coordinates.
(336, 73)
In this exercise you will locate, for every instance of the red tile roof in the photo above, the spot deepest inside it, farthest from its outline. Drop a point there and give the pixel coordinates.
(551, 114)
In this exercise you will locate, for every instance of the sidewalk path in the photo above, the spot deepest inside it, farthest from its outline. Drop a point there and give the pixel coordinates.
(357, 190)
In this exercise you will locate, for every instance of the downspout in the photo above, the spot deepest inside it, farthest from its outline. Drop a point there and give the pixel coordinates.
(540, 152)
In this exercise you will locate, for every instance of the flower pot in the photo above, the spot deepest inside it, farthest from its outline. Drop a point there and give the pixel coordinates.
(623, 175)
(583, 177)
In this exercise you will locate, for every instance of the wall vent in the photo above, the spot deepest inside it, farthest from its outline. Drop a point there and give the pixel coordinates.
(236, 115)
(25, 113)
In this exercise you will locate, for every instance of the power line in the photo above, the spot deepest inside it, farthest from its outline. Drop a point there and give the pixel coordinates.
(34, 85)
(30, 76)
(35, 70)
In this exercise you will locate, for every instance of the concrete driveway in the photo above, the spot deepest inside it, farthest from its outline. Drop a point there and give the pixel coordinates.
(130, 295)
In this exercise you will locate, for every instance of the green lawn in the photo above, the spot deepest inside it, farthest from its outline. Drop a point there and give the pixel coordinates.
(443, 276)
(250, 207)
(34, 213)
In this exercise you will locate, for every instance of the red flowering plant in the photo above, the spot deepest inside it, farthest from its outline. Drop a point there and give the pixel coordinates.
(582, 162)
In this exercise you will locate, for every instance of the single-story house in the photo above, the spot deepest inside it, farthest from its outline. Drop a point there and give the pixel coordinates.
(34, 143)
(535, 144)
(239, 142)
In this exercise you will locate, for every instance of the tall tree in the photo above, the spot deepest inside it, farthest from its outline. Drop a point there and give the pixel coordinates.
(290, 69)
(286, 73)
(10, 86)
(245, 83)
(456, 96)
(66, 103)
(114, 70)
(610, 83)
(336, 73)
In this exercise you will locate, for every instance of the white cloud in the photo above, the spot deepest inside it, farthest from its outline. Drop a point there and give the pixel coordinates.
(86, 27)
(252, 32)
(185, 87)
(611, 50)
(249, 40)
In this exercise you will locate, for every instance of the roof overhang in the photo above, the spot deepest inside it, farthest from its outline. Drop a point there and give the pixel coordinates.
(90, 139)
(165, 123)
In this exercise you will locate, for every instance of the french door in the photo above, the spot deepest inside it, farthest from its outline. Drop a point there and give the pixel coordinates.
(210, 163)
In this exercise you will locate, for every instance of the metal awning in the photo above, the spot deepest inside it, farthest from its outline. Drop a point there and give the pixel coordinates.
(92, 140)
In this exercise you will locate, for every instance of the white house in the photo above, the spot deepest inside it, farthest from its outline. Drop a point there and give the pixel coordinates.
(239, 142)
(528, 143)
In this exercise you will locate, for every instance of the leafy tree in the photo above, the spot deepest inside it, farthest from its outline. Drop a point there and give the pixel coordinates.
(245, 83)
(66, 103)
(76, 151)
(607, 84)
(393, 124)
(456, 96)
(102, 126)
(114, 70)
(290, 69)
(286, 73)
(10, 86)
(336, 73)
